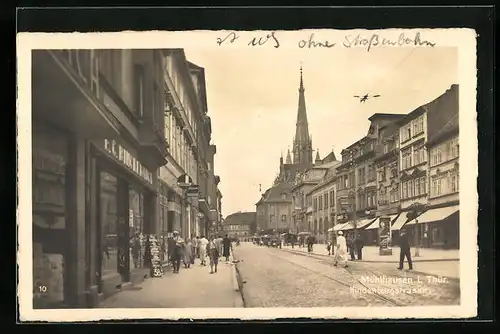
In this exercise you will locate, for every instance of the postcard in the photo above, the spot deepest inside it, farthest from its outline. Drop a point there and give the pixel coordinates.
(326, 174)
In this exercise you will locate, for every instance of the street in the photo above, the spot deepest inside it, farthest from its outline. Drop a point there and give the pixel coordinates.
(279, 278)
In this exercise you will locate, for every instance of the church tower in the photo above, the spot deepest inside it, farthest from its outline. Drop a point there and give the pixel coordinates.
(302, 143)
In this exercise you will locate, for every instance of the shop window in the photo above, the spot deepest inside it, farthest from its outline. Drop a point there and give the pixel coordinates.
(136, 226)
(49, 223)
(109, 224)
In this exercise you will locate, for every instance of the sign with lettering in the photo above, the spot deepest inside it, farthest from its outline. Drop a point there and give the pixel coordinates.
(192, 191)
(128, 160)
(155, 256)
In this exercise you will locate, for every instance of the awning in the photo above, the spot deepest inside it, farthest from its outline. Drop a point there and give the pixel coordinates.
(375, 223)
(338, 227)
(433, 215)
(359, 225)
(399, 222)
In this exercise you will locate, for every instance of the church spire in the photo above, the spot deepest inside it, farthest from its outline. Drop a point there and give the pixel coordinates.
(302, 144)
(288, 157)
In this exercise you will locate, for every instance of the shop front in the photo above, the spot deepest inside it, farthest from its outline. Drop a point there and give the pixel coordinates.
(124, 206)
(437, 227)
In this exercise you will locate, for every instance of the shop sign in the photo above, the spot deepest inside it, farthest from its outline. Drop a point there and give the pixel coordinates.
(127, 159)
(192, 191)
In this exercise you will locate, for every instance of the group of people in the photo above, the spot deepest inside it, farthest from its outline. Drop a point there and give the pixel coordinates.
(198, 247)
(354, 245)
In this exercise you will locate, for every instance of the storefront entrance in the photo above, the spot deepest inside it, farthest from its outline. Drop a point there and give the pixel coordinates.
(125, 215)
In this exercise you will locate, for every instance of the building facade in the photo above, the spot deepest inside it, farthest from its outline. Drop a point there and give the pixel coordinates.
(98, 142)
(240, 225)
(357, 184)
(441, 219)
(112, 132)
(324, 202)
(387, 167)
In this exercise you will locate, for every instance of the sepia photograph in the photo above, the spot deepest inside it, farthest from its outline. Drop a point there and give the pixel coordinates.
(247, 174)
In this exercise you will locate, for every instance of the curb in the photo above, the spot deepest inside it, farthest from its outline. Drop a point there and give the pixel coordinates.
(371, 261)
(239, 299)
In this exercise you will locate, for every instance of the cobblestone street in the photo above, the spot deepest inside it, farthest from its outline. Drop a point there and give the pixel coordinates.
(277, 278)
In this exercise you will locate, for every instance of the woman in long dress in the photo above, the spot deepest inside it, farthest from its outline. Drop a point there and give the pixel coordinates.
(188, 253)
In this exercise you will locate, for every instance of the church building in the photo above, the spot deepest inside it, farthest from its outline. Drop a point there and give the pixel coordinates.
(274, 209)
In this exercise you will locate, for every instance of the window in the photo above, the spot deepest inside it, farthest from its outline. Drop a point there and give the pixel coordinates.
(371, 173)
(454, 183)
(405, 190)
(361, 175)
(315, 205)
(418, 126)
(381, 174)
(139, 90)
(371, 199)
(410, 188)
(168, 116)
(271, 218)
(436, 156)
(454, 151)
(283, 218)
(386, 147)
(320, 201)
(405, 132)
(406, 163)
(436, 187)
(423, 181)
(332, 198)
(325, 201)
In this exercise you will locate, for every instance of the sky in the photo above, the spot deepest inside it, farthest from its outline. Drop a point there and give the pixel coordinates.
(253, 98)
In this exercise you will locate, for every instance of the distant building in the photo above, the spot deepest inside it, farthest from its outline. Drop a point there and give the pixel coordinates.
(240, 224)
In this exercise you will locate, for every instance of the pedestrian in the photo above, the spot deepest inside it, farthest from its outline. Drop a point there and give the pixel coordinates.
(213, 255)
(203, 250)
(329, 247)
(350, 246)
(187, 253)
(358, 242)
(218, 243)
(136, 248)
(197, 245)
(310, 242)
(226, 246)
(178, 251)
(340, 254)
(404, 246)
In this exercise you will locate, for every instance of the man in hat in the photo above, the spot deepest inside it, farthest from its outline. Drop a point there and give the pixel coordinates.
(178, 251)
(340, 254)
(404, 246)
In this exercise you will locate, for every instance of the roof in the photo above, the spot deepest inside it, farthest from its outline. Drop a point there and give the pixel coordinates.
(276, 192)
(442, 115)
(385, 115)
(330, 157)
(240, 218)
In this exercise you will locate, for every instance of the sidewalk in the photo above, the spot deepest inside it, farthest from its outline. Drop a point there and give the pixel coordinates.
(193, 287)
(434, 262)
(370, 254)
